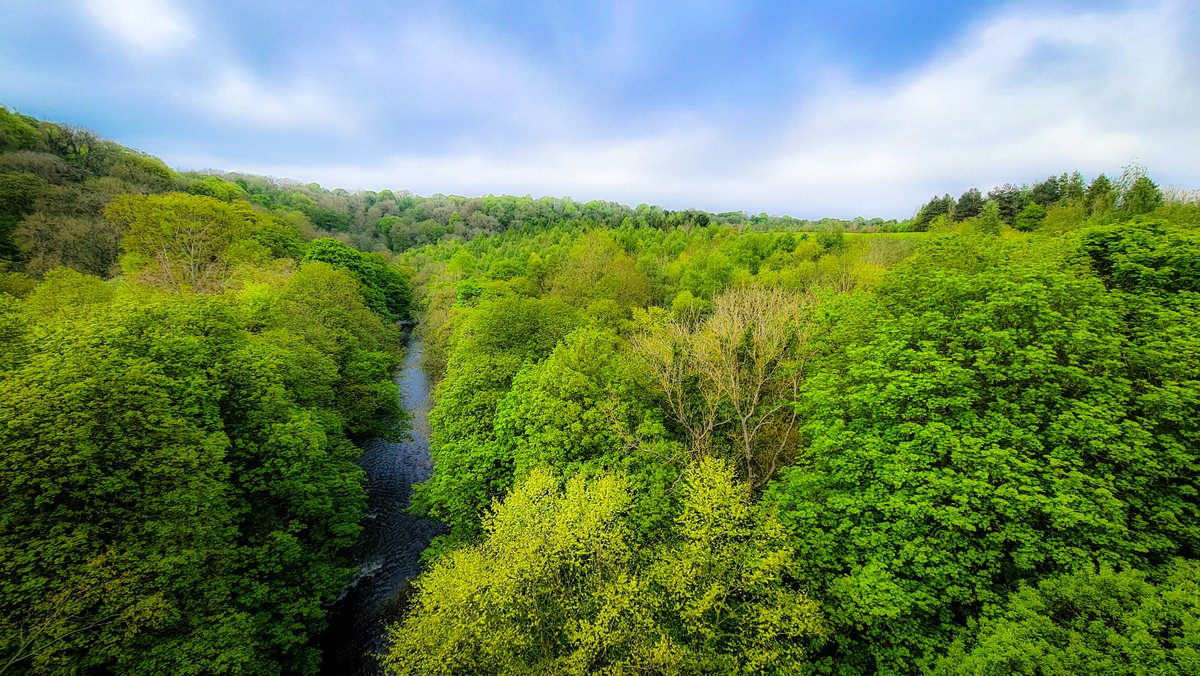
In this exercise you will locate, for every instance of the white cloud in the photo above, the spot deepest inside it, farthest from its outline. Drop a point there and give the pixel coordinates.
(236, 95)
(1019, 96)
(151, 26)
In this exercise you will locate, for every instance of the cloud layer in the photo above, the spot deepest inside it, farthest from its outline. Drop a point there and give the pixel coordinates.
(617, 104)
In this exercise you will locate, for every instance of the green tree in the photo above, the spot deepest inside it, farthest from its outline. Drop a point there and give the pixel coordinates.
(730, 380)
(1142, 197)
(116, 509)
(385, 288)
(472, 465)
(1031, 217)
(180, 241)
(1101, 196)
(1090, 622)
(971, 427)
(989, 220)
(557, 587)
(1011, 200)
(969, 205)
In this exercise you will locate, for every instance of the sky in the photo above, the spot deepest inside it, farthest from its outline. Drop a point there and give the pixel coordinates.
(807, 108)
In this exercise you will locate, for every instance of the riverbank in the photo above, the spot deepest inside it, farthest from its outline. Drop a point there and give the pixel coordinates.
(389, 549)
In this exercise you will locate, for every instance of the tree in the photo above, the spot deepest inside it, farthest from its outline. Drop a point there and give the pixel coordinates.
(969, 205)
(557, 586)
(730, 380)
(973, 426)
(1046, 192)
(1142, 197)
(385, 288)
(1090, 622)
(1031, 217)
(597, 269)
(1101, 196)
(585, 409)
(179, 241)
(88, 244)
(115, 508)
(989, 221)
(19, 192)
(1011, 200)
(472, 466)
(1072, 187)
(938, 206)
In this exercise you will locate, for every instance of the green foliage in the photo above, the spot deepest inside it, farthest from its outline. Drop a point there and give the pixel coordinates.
(583, 410)
(216, 188)
(474, 466)
(181, 484)
(1142, 197)
(1101, 196)
(1031, 217)
(144, 172)
(556, 586)
(182, 242)
(385, 288)
(19, 132)
(19, 192)
(938, 206)
(970, 204)
(972, 427)
(1090, 622)
(989, 221)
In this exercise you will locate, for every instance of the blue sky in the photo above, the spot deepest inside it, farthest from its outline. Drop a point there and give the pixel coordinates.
(808, 108)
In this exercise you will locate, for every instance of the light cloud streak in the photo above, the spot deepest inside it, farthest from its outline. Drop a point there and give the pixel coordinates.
(151, 26)
(1019, 96)
(588, 103)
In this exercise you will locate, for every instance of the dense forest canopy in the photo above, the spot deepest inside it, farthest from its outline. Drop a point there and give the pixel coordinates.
(663, 442)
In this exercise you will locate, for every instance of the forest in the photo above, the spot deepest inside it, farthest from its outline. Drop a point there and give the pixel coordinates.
(667, 442)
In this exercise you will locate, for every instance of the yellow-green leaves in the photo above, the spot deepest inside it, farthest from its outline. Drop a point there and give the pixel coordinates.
(558, 586)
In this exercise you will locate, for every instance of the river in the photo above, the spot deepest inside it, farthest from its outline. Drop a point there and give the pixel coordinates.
(389, 549)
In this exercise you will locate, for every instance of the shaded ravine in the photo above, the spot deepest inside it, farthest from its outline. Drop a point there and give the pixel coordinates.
(389, 549)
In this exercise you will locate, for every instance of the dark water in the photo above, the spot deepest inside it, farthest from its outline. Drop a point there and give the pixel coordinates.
(389, 549)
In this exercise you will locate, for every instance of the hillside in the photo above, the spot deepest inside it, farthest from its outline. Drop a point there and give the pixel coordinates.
(665, 442)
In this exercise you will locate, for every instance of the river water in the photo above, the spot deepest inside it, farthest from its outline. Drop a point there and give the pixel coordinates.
(389, 549)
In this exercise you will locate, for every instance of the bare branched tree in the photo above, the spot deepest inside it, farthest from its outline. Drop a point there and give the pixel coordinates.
(731, 380)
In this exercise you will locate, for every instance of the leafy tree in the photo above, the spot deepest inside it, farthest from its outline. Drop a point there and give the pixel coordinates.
(1090, 622)
(1046, 192)
(156, 447)
(583, 410)
(1101, 195)
(1142, 197)
(19, 132)
(213, 186)
(19, 192)
(938, 206)
(146, 173)
(989, 221)
(180, 241)
(969, 205)
(1011, 200)
(115, 515)
(597, 269)
(556, 587)
(1072, 187)
(88, 244)
(387, 290)
(1031, 217)
(972, 427)
(472, 466)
